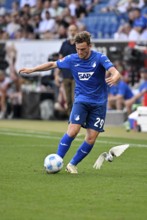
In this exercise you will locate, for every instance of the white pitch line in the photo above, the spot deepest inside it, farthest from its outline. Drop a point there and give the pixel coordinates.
(58, 138)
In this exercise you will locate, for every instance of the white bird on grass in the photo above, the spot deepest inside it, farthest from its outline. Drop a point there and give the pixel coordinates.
(113, 152)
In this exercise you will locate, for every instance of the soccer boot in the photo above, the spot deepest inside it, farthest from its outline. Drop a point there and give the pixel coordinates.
(109, 157)
(71, 169)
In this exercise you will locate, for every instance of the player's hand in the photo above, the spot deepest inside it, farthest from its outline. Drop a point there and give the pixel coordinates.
(25, 70)
(111, 81)
(113, 77)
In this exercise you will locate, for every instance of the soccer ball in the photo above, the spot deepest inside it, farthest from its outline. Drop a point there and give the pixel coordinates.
(53, 163)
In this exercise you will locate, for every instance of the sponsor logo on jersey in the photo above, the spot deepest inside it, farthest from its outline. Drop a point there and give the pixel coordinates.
(85, 76)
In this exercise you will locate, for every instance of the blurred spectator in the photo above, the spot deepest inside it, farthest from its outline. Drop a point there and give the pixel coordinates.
(14, 93)
(119, 66)
(46, 6)
(48, 78)
(90, 4)
(143, 36)
(36, 19)
(70, 12)
(38, 8)
(5, 83)
(68, 47)
(61, 104)
(48, 24)
(48, 83)
(124, 5)
(144, 9)
(13, 26)
(138, 27)
(25, 25)
(121, 96)
(143, 80)
(135, 15)
(25, 11)
(14, 7)
(2, 24)
(111, 6)
(123, 32)
(61, 32)
(20, 35)
(80, 10)
(65, 18)
(72, 8)
(14, 99)
(55, 9)
(4, 35)
(31, 3)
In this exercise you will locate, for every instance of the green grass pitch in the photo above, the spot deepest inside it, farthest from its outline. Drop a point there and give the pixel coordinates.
(116, 192)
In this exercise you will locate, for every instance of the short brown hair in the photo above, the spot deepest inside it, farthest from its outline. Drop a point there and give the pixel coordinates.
(83, 36)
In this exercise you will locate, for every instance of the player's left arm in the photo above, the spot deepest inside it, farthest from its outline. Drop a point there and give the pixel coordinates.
(114, 76)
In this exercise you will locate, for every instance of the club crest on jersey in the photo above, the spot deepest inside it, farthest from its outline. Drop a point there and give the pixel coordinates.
(62, 59)
(77, 117)
(85, 76)
(93, 64)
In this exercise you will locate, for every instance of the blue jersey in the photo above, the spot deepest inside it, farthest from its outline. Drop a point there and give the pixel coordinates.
(143, 86)
(89, 75)
(122, 89)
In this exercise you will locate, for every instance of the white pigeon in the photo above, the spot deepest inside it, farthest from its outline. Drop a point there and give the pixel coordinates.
(113, 152)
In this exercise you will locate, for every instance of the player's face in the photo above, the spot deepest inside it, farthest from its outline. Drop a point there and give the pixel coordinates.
(83, 50)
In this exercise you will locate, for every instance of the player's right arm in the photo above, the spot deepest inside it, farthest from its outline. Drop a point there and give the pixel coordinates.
(42, 67)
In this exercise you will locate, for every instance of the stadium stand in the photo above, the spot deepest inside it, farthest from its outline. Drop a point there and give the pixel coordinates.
(102, 25)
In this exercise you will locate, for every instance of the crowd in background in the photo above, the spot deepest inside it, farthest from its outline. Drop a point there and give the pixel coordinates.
(50, 19)
(42, 19)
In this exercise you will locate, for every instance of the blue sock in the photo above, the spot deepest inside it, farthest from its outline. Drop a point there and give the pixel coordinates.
(81, 153)
(64, 145)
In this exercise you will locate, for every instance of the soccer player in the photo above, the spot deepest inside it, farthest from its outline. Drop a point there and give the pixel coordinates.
(89, 109)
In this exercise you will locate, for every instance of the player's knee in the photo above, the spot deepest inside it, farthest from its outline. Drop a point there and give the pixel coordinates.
(90, 140)
(73, 130)
(72, 134)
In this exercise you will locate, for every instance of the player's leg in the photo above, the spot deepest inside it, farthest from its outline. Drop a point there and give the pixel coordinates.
(94, 124)
(85, 147)
(77, 117)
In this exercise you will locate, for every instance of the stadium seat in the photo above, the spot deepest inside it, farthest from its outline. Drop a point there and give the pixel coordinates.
(97, 8)
(144, 11)
(102, 25)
